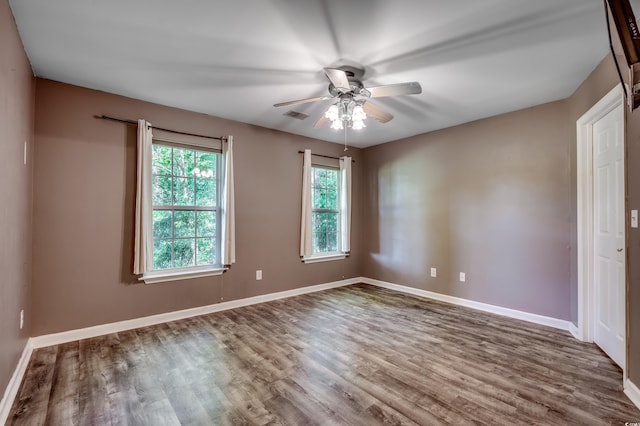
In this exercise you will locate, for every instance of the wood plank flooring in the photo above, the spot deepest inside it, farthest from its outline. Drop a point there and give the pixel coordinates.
(356, 355)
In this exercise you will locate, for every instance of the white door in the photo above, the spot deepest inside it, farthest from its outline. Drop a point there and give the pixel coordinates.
(609, 229)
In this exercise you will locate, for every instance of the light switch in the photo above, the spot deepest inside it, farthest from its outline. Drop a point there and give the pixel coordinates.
(434, 272)
(634, 218)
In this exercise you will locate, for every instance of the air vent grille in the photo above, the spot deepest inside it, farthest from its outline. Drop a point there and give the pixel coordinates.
(297, 115)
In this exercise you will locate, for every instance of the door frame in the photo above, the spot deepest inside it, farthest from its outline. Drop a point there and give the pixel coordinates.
(585, 234)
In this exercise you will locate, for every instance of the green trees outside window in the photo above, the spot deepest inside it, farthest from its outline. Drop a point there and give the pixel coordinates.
(325, 210)
(185, 207)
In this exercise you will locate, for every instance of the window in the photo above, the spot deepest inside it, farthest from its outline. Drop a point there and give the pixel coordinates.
(325, 220)
(186, 214)
(325, 212)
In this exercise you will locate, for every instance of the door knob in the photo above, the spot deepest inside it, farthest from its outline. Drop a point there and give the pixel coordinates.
(619, 250)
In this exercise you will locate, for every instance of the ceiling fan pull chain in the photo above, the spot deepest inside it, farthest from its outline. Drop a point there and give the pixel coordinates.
(345, 139)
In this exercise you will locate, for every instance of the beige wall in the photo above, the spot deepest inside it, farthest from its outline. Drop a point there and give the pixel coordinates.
(84, 205)
(16, 126)
(489, 198)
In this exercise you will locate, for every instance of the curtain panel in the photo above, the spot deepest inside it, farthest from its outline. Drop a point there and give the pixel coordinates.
(228, 234)
(306, 247)
(345, 204)
(143, 249)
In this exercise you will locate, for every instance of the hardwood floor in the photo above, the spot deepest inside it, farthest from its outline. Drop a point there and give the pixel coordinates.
(356, 355)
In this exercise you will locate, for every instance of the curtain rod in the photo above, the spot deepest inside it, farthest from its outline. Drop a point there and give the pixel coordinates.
(325, 156)
(135, 123)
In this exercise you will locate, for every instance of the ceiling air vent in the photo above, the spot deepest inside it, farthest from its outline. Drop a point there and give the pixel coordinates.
(296, 114)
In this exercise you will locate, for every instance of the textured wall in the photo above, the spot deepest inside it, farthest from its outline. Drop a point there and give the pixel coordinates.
(16, 126)
(489, 198)
(84, 193)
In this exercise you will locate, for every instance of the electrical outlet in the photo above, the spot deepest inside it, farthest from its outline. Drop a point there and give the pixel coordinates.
(259, 274)
(21, 318)
(434, 273)
(463, 277)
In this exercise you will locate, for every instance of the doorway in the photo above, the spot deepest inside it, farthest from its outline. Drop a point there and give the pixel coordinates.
(601, 226)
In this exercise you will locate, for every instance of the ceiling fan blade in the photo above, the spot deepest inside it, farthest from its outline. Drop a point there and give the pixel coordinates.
(322, 121)
(339, 79)
(376, 113)
(412, 88)
(302, 101)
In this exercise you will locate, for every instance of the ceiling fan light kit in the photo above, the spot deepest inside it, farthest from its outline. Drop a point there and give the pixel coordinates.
(353, 106)
(346, 113)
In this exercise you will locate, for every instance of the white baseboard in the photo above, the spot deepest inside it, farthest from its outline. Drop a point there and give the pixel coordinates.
(14, 384)
(100, 330)
(512, 313)
(68, 336)
(573, 329)
(632, 392)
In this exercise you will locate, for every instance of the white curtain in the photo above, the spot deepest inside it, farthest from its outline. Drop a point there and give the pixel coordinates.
(228, 206)
(143, 250)
(345, 204)
(306, 247)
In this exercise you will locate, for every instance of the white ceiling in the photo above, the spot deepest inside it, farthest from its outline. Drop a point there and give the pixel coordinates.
(235, 59)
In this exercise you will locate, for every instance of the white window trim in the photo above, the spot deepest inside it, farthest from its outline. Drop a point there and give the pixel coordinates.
(324, 257)
(327, 256)
(165, 275)
(344, 215)
(174, 274)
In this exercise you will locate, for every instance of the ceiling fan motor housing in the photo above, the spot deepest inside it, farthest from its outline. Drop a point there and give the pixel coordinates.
(354, 76)
(356, 87)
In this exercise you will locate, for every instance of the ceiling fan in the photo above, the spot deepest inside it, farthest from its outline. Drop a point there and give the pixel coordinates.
(353, 105)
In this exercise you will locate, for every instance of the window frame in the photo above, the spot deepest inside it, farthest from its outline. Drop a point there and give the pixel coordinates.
(195, 271)
(332, 255)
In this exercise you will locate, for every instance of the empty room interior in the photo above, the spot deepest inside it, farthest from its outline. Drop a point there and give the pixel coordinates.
(319, 212)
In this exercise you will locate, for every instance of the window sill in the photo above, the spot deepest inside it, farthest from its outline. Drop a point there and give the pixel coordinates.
(324, 258)
(185, 274)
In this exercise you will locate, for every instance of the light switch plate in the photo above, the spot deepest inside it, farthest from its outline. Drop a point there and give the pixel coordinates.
(463, 277)
(634, 218)
(434, 273)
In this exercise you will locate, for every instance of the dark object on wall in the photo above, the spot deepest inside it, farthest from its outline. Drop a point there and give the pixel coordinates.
(624, 40)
